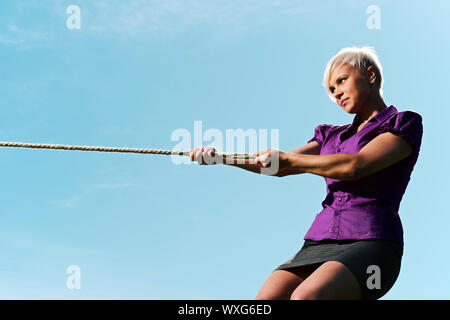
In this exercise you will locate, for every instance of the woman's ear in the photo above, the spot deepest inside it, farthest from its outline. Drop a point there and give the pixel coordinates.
(371, 75)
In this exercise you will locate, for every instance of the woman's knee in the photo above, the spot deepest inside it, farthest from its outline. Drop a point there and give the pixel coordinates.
(273, 294)
(280, 285)
(269, 296)
(330, 281)
(306, 294)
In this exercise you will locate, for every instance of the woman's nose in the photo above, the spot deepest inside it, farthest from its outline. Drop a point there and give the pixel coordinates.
(338, 95)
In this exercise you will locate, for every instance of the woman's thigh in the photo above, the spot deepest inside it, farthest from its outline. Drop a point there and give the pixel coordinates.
(332, 280)
(281, 283)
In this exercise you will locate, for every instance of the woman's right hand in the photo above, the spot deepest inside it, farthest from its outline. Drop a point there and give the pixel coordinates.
(204, 155)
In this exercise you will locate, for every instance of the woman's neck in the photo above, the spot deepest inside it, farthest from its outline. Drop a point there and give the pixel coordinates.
(372, 109)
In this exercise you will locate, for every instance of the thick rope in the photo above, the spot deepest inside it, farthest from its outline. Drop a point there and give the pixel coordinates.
(111, 149)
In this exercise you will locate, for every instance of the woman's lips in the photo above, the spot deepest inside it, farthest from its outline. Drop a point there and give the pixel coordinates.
(343, 102)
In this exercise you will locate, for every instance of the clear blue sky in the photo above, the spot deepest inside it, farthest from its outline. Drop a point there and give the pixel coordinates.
(141, 227)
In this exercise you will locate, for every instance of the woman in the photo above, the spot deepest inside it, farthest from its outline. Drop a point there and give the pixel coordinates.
(354, 247)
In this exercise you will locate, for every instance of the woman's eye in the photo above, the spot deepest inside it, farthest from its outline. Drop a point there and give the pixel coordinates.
(342, 79)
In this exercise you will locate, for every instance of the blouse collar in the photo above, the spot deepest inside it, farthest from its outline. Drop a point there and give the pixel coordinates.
(379, 117)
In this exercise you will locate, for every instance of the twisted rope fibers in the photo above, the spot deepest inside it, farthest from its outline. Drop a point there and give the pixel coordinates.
(112, 149)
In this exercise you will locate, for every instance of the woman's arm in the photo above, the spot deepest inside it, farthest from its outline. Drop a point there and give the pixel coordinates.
(335, 166)
(312, 148)
(201, 153)
(382, 152)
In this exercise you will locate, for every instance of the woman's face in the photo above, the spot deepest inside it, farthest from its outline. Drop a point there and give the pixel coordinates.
(350, 88)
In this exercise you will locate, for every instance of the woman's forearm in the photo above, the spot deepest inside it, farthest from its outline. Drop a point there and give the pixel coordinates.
(249, 167)
(256, 168)
(338, 166)
(335, 166)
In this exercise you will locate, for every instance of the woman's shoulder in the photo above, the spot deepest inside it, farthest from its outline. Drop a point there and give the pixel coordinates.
(403, 119)
(407, 124)
(325, 131)
(331, 127)
(409, 114)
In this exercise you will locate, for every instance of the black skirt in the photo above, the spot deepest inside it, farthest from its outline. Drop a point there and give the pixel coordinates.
(374, 262)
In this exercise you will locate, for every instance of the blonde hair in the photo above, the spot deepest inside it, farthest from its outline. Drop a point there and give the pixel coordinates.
(358, 57)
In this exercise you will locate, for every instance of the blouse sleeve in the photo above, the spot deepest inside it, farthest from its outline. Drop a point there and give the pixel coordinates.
(407, 124)
(320, 133)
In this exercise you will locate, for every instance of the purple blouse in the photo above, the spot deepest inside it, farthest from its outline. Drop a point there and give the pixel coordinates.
(366, 208)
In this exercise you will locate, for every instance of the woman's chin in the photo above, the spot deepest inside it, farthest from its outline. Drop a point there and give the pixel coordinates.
(347, 108)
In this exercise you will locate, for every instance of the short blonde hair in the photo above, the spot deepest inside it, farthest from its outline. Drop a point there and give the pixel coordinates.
(358, 57)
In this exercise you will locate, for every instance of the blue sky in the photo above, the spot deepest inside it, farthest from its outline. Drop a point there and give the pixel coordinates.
(142, 227)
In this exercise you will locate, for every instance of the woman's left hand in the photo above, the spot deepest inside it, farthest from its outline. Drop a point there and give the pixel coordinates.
(267, 156)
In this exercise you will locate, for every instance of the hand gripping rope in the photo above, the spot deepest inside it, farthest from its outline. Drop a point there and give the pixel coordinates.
(225, 156)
